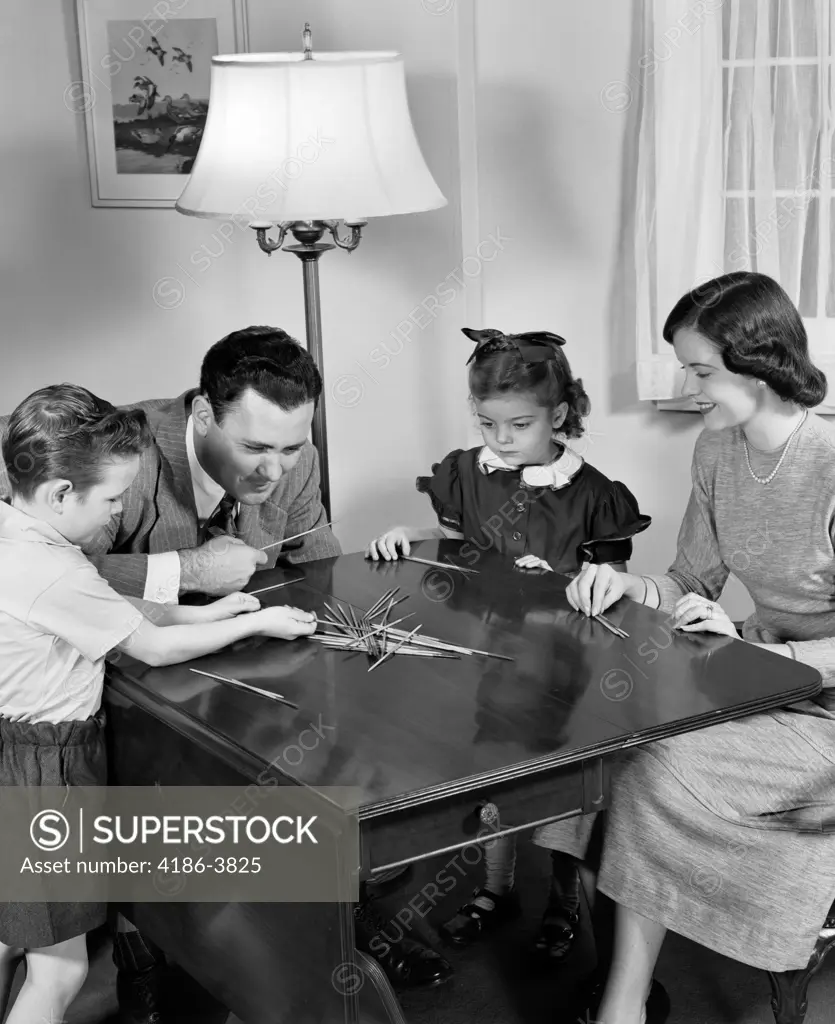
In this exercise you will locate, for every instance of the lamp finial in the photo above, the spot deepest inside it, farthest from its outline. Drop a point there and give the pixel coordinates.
(307, 36)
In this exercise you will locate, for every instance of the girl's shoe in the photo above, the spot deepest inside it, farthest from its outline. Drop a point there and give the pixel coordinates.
(485, 911)
(556, 933)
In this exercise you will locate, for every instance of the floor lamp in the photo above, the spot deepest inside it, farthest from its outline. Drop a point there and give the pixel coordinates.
(301, 142)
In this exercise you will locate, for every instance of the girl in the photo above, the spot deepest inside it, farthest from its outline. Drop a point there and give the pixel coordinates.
(527, 494)
(69, 457)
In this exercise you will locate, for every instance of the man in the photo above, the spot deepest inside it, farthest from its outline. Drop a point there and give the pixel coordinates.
(231, 473)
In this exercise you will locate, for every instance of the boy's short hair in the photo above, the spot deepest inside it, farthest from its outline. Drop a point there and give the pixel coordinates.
(64, 432)
(264, 359)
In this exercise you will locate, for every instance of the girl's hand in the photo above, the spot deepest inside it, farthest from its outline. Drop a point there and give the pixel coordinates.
(286, 623)
(595, 588)
(231, 605)
(695, 614)
(386, 545)
(532, 562)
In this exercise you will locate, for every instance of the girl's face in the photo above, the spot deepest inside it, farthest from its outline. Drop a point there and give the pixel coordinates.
(82, 516)
(518, 430)
(725, 399)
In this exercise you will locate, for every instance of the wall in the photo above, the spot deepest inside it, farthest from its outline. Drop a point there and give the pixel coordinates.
(77, 283)
(556, 157)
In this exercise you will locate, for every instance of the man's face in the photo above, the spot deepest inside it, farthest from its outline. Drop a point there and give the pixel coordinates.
(254, 444)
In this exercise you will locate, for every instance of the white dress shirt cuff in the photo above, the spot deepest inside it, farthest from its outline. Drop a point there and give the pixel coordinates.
(162, 582)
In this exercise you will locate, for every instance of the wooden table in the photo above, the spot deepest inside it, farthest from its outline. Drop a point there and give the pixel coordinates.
(429, 743)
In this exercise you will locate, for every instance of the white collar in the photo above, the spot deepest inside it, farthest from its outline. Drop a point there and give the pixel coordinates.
(207, 492)
(555, 474)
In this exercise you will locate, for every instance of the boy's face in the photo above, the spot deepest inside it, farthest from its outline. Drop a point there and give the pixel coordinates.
(82, 516)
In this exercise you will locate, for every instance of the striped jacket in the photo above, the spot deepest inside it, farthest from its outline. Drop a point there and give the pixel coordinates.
(159, 513)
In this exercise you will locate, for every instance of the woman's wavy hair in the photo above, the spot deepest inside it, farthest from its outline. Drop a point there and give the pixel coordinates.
(757, 330)
(64, 432)
(498, 368)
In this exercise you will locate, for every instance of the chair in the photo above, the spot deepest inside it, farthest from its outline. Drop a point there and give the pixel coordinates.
(788, 988)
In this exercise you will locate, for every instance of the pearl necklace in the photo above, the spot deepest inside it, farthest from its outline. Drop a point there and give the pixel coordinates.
(773, 473)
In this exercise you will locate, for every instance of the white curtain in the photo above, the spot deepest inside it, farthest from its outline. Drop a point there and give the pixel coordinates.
(735, 162)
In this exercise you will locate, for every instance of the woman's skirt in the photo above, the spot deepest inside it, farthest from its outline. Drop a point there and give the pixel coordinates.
(45, 754)
(702, 836)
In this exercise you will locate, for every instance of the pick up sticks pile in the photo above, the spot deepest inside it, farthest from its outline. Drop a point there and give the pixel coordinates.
(382, 639)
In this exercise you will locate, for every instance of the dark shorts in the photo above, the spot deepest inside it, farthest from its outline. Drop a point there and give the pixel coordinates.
(64, 754)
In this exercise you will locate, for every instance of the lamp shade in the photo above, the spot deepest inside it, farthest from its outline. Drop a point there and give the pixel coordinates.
(293, 139)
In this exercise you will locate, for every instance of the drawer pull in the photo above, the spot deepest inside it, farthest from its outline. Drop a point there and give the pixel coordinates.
(489, 814)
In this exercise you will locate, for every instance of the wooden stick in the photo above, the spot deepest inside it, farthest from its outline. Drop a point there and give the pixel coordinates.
(378, 604)
(439, 565)
(393, 650)
(246, 686)
(455, 647)
(276, 586)
(286, 540)
(381, 627)
(612, 627)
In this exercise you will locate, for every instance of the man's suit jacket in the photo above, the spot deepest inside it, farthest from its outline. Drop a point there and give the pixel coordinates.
(159, 513)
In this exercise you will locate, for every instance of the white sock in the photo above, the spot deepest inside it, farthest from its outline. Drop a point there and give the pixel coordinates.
(500, 864)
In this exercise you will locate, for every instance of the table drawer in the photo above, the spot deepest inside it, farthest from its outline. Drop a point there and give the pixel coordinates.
(450, 824)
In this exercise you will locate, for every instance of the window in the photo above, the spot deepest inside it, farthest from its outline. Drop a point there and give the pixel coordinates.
(777, 98)
(736, 164)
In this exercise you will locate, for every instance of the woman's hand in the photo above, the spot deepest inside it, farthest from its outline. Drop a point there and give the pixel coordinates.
(532, 562)
(595, 588)
(231, 605)
(386, 545)
(695, 614)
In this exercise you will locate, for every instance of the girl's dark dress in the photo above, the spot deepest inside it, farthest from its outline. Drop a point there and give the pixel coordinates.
(589, 519)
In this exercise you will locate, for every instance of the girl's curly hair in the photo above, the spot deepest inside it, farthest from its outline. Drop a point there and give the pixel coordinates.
(498, 368)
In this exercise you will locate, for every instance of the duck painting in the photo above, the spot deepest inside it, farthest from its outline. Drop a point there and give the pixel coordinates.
(145, 94)
(147, 136)
(157, 51)
(184, 110)
(186, 135)
(182, 57)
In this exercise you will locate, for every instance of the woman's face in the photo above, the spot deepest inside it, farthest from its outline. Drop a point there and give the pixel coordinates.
(725, 399)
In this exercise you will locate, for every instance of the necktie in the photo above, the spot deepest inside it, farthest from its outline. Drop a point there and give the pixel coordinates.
(221, 521)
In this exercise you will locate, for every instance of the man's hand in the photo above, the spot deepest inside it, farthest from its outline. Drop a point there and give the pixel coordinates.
(220, 566)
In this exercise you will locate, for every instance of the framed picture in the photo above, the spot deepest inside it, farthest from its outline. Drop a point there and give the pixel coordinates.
(146, 70)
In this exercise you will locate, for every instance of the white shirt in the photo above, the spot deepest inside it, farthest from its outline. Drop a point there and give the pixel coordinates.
(162, 583)
(58, 619)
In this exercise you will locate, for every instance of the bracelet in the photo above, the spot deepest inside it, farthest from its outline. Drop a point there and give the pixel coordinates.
(646, 590)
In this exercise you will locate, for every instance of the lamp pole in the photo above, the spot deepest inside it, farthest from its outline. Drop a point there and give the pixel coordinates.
(308, 235)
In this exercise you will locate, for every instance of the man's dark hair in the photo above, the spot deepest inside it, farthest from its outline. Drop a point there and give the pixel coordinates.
(265, 359)
(64, 432)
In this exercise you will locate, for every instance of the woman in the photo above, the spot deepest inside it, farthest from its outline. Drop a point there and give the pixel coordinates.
(717, 834)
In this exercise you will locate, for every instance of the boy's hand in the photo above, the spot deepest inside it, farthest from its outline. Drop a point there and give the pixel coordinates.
(386, 545)
(231, 605)
(286, 623)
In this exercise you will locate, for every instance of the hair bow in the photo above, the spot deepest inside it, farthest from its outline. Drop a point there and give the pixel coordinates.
(533, 346)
